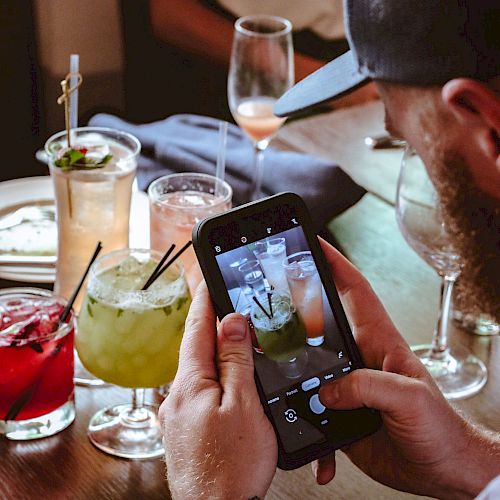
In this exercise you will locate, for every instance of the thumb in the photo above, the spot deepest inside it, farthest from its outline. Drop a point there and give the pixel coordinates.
(235, 357)
(384, 391)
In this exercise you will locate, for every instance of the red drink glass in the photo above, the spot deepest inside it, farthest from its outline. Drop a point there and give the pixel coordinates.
(36, 364)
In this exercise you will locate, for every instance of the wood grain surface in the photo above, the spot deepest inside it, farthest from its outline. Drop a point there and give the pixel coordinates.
(68, 466)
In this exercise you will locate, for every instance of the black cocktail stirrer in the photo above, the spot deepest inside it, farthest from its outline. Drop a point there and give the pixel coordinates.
(158, 267)
(154, 277)
(269, 301)
(72, 299)
(256, 300)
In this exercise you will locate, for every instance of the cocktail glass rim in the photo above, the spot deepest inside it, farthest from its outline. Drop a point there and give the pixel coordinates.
(287, 265)
(126, 252)
(134, 144)
(61, 332)
(285, 30)
(222, 200)
(250, 264)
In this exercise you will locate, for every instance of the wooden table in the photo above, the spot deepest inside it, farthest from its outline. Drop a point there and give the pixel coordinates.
(68, 466)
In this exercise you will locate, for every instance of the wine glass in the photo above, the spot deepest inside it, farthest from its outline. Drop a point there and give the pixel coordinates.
(131, 337)
(421, 222)
(261, 70)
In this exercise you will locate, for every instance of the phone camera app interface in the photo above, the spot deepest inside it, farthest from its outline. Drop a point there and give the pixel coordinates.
(297, 344)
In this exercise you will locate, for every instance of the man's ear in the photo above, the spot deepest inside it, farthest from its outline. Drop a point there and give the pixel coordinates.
(477, 106)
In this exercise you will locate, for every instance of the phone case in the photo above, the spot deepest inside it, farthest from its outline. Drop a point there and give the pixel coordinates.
(369, 420)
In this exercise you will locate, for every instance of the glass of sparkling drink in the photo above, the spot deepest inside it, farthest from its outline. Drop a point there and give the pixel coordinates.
(131, 337)
(93, 192)
(36, 364)
(307, 294)
(280, 332)
(177, 202)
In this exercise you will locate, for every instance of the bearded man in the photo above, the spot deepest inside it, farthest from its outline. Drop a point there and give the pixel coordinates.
(436, 65)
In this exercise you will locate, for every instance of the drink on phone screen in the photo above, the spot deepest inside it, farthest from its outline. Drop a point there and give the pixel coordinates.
(271, 262)
(307, 294)
(177, 202)
(92, 204)
(253, 278)
(36, 364)
(255, 116)
(128, 336)
(280, 333)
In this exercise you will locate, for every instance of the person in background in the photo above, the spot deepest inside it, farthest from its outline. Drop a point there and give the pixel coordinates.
(438, 73)
(204, 28)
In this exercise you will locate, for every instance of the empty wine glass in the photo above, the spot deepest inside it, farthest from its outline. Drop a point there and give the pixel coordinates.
(420, 220)
(261, 70)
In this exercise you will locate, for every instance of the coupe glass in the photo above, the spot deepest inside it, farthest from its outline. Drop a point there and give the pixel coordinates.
(131, 337)
(261, 71)
(420, 220)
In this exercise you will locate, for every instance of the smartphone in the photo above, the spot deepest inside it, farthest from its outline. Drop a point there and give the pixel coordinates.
(264, 261)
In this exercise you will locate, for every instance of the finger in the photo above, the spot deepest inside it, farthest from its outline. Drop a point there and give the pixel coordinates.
(235, 359)
(384, 391)
(324, 469)
(366, 313)
(197, 352)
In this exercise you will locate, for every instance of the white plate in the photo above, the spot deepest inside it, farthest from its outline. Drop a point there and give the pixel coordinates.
(17, 191)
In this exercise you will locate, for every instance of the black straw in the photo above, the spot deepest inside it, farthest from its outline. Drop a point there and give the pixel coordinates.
(269, 295)
(256, 300)
(72, 299)
(158, 267)
(169, 263)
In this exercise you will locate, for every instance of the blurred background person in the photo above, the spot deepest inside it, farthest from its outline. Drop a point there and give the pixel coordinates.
(190, 41)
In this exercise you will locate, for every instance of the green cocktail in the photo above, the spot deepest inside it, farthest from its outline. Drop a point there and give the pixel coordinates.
(128, 337)
(131, 337)
(281, 332)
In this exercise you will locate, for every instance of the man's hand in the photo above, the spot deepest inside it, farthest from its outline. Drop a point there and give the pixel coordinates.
(424, 446)
(218, 441)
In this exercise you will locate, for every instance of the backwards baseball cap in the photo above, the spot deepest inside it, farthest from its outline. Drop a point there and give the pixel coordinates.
(405, 41)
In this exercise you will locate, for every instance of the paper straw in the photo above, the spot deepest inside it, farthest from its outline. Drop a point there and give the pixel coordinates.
(221, 156)
(74, 62)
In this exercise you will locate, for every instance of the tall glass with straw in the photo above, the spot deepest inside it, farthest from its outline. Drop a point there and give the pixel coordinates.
(261, 70)
(92, 170)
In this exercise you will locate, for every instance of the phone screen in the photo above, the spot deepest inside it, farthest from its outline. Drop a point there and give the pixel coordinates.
(272, 279)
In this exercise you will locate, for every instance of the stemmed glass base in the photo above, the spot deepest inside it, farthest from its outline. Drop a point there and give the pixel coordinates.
(295, 367)
(457, 376)
(126, 432)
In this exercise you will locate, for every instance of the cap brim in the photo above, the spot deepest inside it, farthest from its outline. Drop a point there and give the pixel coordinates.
(337, 78)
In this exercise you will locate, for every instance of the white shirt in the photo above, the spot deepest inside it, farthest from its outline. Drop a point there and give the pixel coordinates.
(322, 17)
(492, 491)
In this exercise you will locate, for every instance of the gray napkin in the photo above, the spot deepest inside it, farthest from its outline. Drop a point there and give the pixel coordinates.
(189, 143)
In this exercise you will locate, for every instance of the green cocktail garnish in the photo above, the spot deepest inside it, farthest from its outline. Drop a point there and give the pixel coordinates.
(77, 159)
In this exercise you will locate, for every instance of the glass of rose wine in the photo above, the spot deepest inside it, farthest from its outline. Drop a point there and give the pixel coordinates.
(419, 216)
(261, 71)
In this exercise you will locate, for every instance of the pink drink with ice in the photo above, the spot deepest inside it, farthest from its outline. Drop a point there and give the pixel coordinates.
(36, 359)
(177, 202)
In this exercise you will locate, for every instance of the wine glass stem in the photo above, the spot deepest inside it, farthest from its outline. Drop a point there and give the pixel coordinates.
(137, 414)
(258, 170)
(440, 341)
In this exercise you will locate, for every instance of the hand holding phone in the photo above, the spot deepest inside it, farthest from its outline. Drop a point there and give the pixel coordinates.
(263, 261)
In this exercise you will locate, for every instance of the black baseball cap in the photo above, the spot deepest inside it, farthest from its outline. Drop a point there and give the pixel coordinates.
(414, 42)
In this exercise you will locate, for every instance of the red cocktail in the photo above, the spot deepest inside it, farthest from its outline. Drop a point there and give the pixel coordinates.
(36, 364)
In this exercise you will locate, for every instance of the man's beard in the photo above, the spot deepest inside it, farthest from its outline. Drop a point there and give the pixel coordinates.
(474, 226)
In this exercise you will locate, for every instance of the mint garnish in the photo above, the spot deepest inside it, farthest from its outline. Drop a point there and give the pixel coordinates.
(181, 302)
(89, 310)
(77, 159)
(119, 313)
(167, 310)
